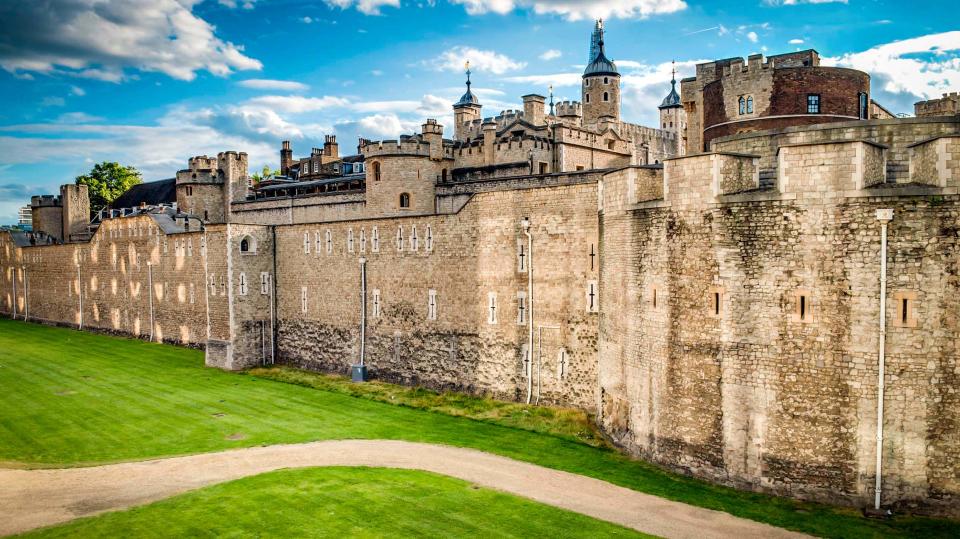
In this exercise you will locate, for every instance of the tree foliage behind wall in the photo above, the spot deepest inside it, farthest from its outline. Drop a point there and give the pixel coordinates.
(106, 181)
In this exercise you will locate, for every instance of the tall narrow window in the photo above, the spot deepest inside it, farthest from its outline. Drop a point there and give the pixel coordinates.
(432, 305)
(803, 306)
(213, 285)
(329, 239)
(192, 293)
(223, 286)
(243, 284)
(306, 243)
(522, 255)
(404, 200)
(414, 239)
(303, 299)
(864, 108)
(399, 238)
(264, 283)
(715, 301)
(906, 305)
(376, 171)
(743, 105)
(429, 238)
(189, 248)
(587, 100)
(316, 241)
(750, 104)
(350, 240)
(561, 363)
(606, 96)
(363, 241)
(813, 103)
(521, 307)
(375, 240)
(491, 307)
(376, 303)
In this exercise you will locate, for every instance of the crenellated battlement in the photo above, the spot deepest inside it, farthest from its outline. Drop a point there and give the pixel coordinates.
(566, 109)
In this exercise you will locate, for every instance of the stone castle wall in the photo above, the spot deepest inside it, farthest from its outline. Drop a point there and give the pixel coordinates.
(709, 363)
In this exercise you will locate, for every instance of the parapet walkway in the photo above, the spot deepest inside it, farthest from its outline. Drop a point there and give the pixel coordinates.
(35, 498)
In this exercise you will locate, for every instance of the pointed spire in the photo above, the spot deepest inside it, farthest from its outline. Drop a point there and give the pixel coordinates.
(468, 98)
(598, 63)
(551, 100)
(673, 98)
(673, 72)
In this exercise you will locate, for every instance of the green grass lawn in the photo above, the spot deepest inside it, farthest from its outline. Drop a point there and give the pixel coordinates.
(71, 398)
(342, 502)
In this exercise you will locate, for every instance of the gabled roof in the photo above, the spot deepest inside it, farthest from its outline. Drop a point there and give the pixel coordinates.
(149, 193)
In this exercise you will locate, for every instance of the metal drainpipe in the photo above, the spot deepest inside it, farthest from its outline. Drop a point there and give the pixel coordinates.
(150, 295)
(884, 216)
(273, 300)
(80, 295)
(26, 295)
(14, 315)
(525, 224)
(363, 310)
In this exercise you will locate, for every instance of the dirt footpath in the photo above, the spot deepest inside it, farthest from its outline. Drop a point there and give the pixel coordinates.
(35, 498)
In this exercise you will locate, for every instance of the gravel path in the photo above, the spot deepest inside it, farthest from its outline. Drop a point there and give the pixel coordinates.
(34, 498)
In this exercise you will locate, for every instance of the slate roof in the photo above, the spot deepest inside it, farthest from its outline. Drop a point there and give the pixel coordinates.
(150, 193)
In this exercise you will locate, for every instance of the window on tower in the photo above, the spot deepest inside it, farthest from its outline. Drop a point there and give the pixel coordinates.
(750, 105)
(743, 105)
(606, 96)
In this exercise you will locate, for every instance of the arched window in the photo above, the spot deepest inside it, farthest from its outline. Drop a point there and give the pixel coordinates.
(743, 107)
(376, 171)
(606, 96)
(404, 200)
(750, 105)
(606, 80)
(587, 96)
(248, 245)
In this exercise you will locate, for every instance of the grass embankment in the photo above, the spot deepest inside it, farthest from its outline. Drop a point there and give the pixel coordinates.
(562, 422)
(69, 398)
(341, 502)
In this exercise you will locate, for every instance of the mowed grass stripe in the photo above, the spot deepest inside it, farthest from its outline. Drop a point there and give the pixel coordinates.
(148, 400)
(354, 502)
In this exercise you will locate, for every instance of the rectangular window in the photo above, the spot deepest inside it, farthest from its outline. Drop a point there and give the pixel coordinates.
(192, 293)
(316, 167)
(399, 238)
(213, 285)
(375, 240)
(189, 191)
(864, 108)
(264, 283)
(203, 246)
(522, 255)
(303, 299)
(243, 284)
(164, 245)
(813, 103)
(350, 240)
(376, 303)
(306, 243)
(429, 239)
(223, 286)
(190, 247)
(592, 297)
(414, 239)
(432, 305)
(715, 301)
(521, 307)
(363, 241)
(561, 363)
(316, 241)
(491, 307)
(329, 240)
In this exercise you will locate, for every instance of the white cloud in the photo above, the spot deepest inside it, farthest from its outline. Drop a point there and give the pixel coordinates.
(102, 39)
(645, 87)
(247, 4)
(368, 7)
(77, 91)
(910, 70)
(480, 60)
(297, 103)
(271, 84)
(752, 36)
(306, 20)
(577, 9)
(558, 80)
(551, 54)
(376, 72)
(78, 118)
(795, 42)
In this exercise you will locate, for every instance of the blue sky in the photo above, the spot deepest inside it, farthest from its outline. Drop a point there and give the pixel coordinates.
(150, 83)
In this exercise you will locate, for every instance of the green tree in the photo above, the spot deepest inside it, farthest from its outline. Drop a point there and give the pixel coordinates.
(257, 177)
(107, 181)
